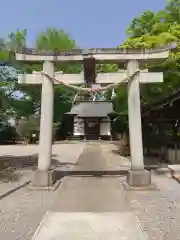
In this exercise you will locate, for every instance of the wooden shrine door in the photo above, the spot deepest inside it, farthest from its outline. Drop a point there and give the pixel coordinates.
(92, 128)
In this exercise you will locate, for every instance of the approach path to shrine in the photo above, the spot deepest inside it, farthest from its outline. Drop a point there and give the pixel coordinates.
(91, 204)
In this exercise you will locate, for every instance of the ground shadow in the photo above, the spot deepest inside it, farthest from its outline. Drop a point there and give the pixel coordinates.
(162, 172)
(21, 162)
(10, 165)
(90, 173)
(120, 153)
(69, 142)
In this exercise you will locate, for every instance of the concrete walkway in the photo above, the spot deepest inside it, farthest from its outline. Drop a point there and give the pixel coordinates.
(90, 205)
(89, 191)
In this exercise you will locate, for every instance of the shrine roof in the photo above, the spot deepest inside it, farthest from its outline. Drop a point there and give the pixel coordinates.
(92, 109)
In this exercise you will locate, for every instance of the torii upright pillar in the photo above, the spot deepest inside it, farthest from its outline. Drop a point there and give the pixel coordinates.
(137, 176)
(44, 176)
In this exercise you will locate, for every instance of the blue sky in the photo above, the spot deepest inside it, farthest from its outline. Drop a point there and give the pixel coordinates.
(94, 23)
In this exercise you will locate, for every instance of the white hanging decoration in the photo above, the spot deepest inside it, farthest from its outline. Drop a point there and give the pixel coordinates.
(75, 97)
(113, 94)
(94, 98)
(90, 90)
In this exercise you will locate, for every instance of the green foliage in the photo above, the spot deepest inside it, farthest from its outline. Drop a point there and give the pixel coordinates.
(172, 10)
(27, 126)
(150, 23)
(53, 39)
(50, 40)
(170, 67)
(142, 25)
(153, 30)
(17, 40)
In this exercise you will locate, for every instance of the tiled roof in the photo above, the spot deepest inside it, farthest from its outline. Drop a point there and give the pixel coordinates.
(92, 109)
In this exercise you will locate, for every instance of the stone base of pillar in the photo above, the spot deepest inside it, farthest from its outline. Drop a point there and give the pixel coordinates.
(43, 178)
(139, 178)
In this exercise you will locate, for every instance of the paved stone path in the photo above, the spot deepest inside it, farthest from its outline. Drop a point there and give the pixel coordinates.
(90, 192)
(91, 226)
(91, 205)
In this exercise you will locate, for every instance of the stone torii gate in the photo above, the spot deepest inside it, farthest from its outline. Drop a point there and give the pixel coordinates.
(137, 176)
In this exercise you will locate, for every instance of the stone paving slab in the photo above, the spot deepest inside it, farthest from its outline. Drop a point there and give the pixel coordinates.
(89, 226)
(92, 192)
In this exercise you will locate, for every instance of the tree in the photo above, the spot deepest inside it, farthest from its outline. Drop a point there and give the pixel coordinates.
(142, 25)
(8, 73)
(172, 10)
(152, 30)
(17, 40)
(29, 101)
(57, 40)
(28, 126)
(150, 23)
(53, 39)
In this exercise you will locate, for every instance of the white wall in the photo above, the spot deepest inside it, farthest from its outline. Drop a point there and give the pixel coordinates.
(105, 128)
(78, 126)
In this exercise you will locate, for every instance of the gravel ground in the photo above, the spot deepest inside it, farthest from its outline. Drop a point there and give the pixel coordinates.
(159, 211)
(23, 176)
(22, 211)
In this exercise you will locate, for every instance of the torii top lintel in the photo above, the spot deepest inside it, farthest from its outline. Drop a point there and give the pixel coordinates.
(99, 54)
